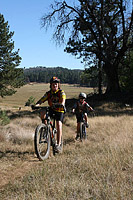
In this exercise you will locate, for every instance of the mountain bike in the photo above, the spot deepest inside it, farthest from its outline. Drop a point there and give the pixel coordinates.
(46, 136)
(83, 129)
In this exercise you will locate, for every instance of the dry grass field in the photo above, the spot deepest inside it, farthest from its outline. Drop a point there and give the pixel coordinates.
(37, 91)
(100, 168)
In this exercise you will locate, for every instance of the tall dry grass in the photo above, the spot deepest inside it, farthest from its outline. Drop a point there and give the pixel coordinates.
(100, 168)
(97, 169)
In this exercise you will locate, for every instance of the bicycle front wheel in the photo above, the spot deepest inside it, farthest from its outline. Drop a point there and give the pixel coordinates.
(81, 130)
(42, 141)
(84, 132)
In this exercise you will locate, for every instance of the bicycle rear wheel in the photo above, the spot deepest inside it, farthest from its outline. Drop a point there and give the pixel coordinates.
(42, 141)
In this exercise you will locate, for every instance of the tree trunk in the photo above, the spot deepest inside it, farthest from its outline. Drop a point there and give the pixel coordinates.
(99, 78)
(113, 87)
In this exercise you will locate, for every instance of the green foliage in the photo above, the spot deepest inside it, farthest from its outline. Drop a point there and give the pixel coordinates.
(30, 101)
(126, 72)
(43, 75)
(90, 77)
(4, 119)
(10, 76)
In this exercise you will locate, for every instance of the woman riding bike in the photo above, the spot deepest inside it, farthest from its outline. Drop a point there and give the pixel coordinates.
(56, 100)
(81, 108)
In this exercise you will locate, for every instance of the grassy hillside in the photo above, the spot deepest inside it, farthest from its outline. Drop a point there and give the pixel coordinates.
(37, 91)
(96, 169)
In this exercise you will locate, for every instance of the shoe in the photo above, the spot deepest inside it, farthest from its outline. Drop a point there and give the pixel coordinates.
(77, 137)
(58, 148)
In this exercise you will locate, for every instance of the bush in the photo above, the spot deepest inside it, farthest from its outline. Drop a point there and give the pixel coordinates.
(30, 101)
(4, 119)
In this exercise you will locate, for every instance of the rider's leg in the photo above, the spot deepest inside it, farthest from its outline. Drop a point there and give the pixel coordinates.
(78, 128)
(43, 116)
(85, 116)
(59, 131)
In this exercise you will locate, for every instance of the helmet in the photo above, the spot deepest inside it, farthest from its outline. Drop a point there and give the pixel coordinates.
(54, 80)
(82, 95)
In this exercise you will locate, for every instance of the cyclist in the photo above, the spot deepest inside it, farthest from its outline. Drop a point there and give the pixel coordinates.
(56, 100)
(80, 108)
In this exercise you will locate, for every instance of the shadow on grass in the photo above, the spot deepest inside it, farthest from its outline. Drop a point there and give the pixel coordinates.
(113, 113)
(12, 154)
(102, 108)
(68, 141)
(21, 114)
(113, 109)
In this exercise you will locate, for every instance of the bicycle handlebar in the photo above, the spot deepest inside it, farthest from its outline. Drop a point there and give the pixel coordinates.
(56, 105)
(33, 107)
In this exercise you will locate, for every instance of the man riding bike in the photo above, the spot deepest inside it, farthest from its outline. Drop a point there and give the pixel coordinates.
(56, 100)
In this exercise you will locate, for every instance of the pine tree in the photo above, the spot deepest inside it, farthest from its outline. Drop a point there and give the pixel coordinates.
(11, 77)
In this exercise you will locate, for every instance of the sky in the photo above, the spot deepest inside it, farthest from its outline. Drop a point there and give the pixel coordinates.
(36, 45)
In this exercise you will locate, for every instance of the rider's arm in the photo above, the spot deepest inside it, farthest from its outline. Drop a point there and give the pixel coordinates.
(89, 107)
(63, 101)
(42, 100)
(63, 98)
(74, 107)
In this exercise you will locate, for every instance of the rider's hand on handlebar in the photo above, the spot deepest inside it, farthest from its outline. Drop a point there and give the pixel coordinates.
(73, 111)
(34, 106)
(91, 109)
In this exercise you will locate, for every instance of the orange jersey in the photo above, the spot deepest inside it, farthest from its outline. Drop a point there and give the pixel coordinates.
(83, 107)
(53, 97)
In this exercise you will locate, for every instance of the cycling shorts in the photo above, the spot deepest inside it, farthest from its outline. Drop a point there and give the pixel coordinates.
(79, 117)
(58, 115)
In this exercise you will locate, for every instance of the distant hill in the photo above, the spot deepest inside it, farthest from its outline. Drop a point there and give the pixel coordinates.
(43, 74)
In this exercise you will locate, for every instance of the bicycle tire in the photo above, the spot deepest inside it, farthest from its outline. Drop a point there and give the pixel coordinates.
(81, 131)
(84, 131)
(53, 143)
(42, 141)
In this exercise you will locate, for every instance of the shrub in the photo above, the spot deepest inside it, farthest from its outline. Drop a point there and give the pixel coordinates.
(30, 101)
(4, 119)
